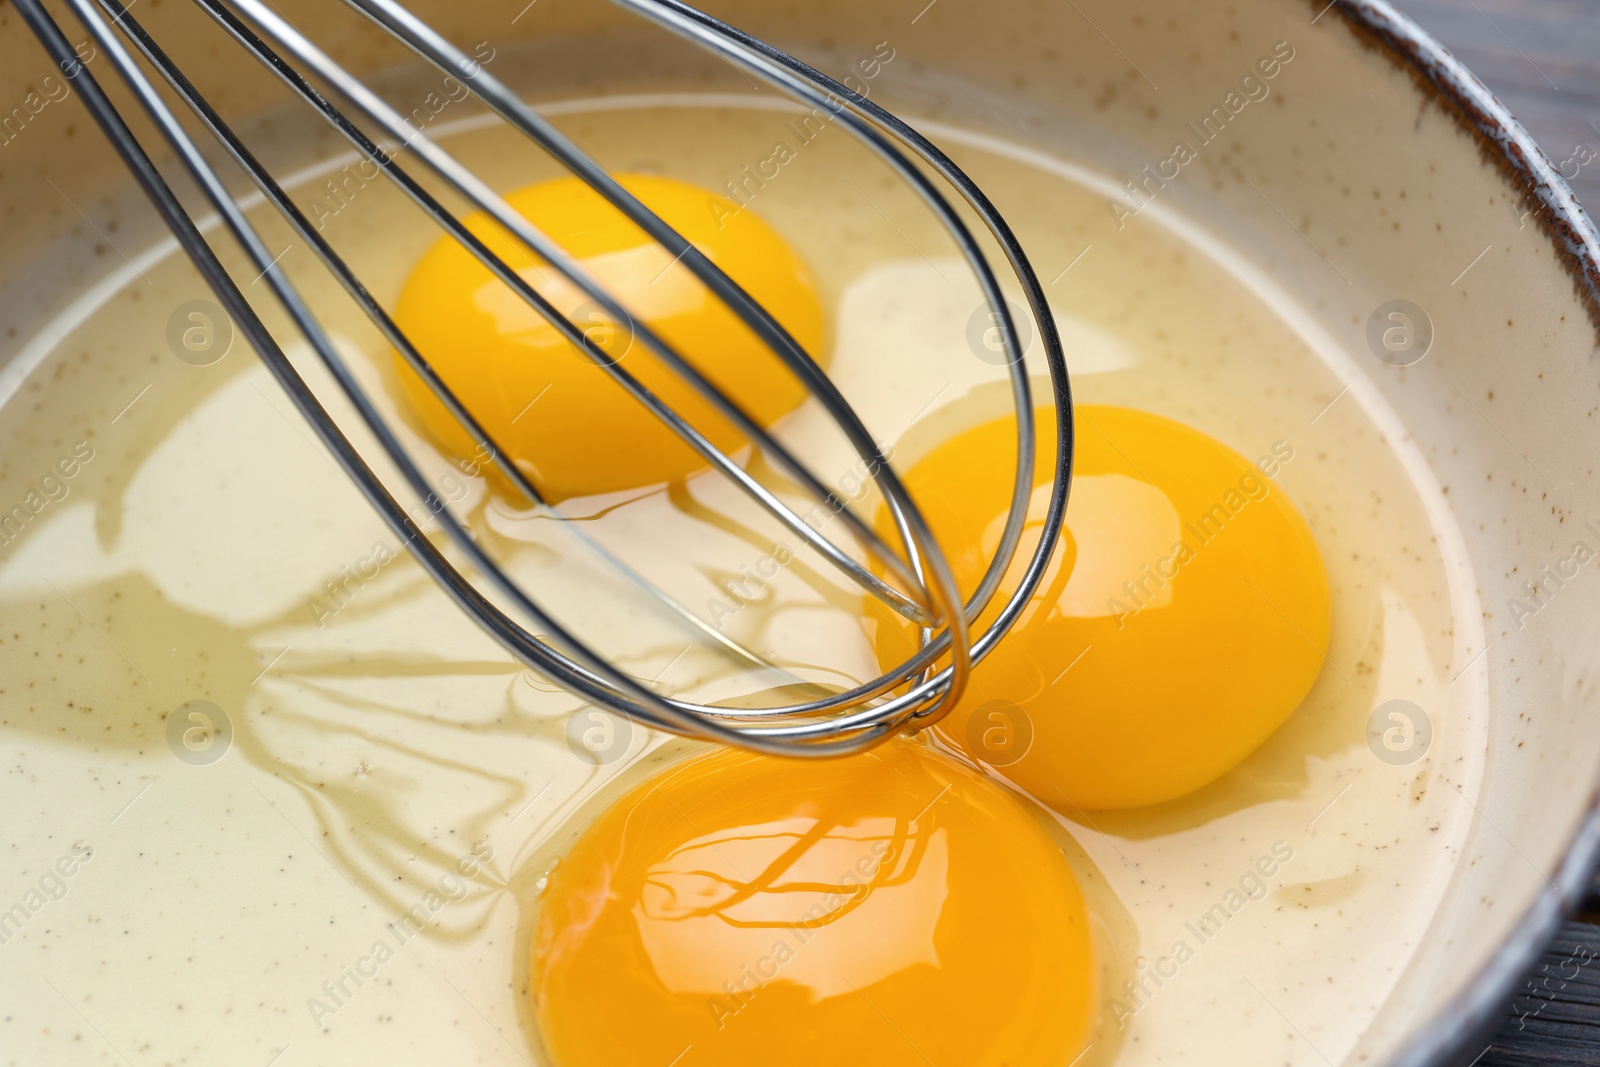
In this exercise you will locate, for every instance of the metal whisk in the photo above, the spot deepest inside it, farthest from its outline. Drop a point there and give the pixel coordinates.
(915, 580)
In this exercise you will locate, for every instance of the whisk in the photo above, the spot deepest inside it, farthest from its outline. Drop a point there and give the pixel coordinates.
(912, 578)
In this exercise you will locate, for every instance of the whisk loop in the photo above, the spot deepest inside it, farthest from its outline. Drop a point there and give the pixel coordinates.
(912, 578)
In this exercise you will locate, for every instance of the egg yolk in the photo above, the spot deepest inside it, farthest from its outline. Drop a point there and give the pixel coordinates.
(572, 429)
(1182, 619)
(888, 908)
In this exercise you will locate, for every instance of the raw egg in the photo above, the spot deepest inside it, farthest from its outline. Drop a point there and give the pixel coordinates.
(570, 427)
(1184, 616)
(888, 908)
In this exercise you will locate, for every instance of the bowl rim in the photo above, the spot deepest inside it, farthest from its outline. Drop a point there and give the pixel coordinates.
(1503, 141)
(1450, 1035)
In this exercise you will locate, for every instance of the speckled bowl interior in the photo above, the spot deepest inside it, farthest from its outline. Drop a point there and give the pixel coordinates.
(1358, 185)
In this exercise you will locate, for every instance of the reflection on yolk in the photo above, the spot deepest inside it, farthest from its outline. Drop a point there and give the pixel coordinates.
(1183, 618)
(561, 417)
(888, 908)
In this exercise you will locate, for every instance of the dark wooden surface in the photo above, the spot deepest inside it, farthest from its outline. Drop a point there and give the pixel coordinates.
(1542, 58)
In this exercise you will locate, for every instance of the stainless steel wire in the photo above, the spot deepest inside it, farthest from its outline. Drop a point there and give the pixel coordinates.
(915, 579)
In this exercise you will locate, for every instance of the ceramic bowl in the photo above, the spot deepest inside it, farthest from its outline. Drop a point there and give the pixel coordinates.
(1341, 152)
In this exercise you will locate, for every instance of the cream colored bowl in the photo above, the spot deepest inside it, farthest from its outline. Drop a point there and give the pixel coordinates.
(1337, 149)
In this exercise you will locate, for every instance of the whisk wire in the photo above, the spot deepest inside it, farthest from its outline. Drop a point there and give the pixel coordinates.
(486, 200)
(189, 236)
(392, 333)
(600, 682)
(786, 72)
(887, 681)
(594, 679)
(832, 724)
(434, 49)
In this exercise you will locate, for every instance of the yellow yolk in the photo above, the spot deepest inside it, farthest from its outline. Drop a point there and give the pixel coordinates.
(566, 423)
(1184, 616)
(889, 908)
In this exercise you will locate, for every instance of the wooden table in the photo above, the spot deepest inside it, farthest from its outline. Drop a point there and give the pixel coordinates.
(1542, 58)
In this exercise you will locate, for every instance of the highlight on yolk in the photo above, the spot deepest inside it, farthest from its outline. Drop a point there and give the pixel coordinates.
(571, 428)
(889, 908)
(1184, 616)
